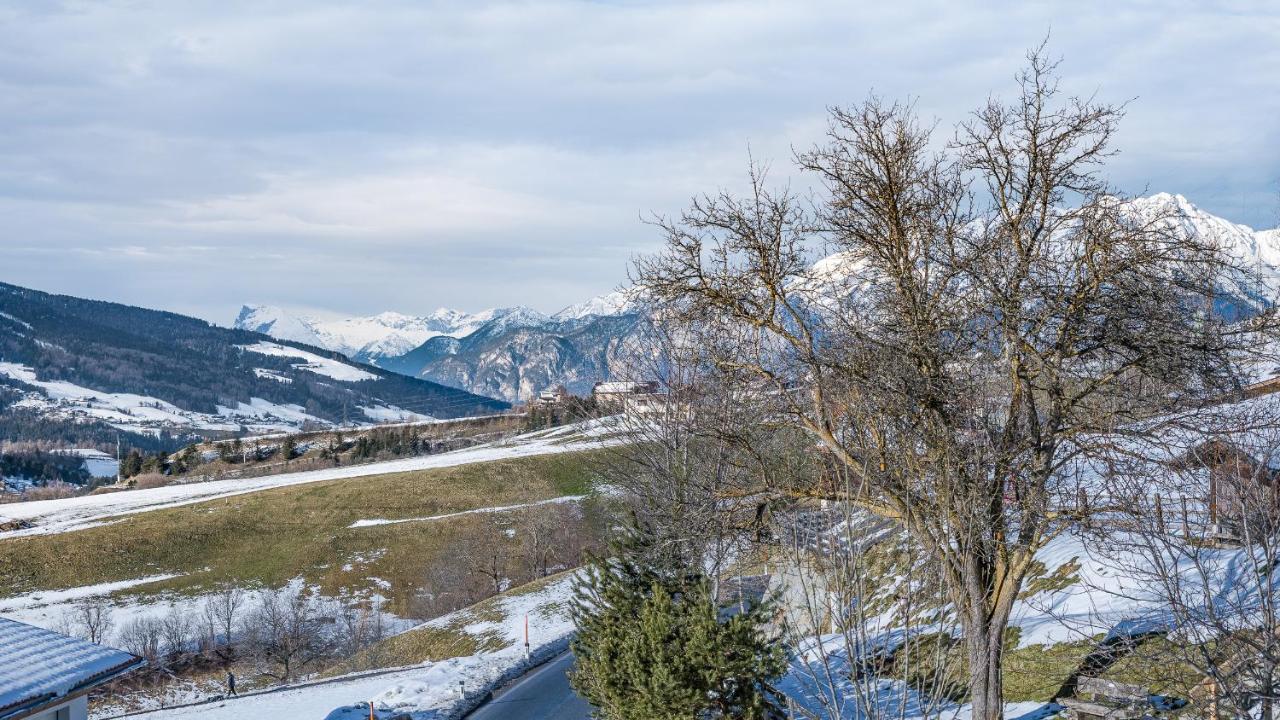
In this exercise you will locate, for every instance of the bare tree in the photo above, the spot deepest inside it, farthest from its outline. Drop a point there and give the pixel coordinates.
(142, 637)
(488, 554)
(284, 634)
(986, 310)
(90, 618)
(1192, 524)
(175, 628)
(221, 612)
(223, 607)
(359, 626)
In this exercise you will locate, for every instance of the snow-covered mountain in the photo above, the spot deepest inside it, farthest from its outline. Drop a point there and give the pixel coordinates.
(80, 372)
(512, 353)
(365, 339)
(618, 302)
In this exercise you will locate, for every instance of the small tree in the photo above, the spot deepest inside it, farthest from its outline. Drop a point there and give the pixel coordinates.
(651, 642)
(284, 634)
(220, 611)
(90, 619)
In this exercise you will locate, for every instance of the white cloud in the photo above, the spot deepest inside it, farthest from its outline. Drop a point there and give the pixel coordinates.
(408, 155)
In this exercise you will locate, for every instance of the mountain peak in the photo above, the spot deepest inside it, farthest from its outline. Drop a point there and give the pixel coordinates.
(618, 302)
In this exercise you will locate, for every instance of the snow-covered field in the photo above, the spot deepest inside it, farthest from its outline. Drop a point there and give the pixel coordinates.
(67, 514)
(312, 362)
(427, 690)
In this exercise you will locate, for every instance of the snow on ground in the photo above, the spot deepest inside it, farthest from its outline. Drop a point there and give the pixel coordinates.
(425, 691)
(390, 413)
(96, 462)
(820, 682)
(268, 415)
(273, 375)
(313, 363)
(145, 414)
(45, 608)
(20, 321)
(63, 515)
(498, 509)
(1083, 609)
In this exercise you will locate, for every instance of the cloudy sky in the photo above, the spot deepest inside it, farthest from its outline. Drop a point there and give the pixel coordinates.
(358, 157)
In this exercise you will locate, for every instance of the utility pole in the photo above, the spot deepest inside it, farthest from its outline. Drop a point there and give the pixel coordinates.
(119, 467)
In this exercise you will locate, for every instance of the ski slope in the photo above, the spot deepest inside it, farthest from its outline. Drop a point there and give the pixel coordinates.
(77, 513)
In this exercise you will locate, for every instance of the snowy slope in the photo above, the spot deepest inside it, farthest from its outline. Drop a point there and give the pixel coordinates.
(277, 323)
(145, 414)
(617, 302)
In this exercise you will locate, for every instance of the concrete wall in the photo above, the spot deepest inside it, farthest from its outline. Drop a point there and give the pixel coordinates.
(77, 709)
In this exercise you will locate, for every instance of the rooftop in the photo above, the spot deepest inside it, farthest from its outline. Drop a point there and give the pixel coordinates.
(38, 665)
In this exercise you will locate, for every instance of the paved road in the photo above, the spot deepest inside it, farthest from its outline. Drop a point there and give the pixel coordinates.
(543, 694)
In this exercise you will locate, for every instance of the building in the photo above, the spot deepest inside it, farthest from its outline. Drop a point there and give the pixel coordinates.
(615, 395)
(97, 463)
(46, 675)
(556, 395)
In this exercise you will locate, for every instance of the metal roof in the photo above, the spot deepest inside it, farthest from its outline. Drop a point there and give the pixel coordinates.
(38, 666)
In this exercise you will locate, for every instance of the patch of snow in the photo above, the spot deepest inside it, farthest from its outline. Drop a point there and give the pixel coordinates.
(272, 375)
(313, 363)
(618, 302)
(126, 411)
(391, 413)
(477, 511)
(429, 688)
(96, 462)
(20, 321)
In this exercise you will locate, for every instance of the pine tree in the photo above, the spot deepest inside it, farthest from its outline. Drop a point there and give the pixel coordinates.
(652, 644)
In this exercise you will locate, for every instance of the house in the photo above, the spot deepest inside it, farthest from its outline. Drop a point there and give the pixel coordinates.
(556, 395)
(1241, 488)
(615, 395)
(46, 675)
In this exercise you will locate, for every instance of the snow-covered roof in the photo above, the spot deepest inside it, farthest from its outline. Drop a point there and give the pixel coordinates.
(38, 665)
(622, 386)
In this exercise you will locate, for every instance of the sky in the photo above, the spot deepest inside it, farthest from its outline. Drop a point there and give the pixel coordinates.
(351, 158)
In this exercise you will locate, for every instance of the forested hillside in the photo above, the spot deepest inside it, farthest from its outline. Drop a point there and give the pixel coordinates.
(78, 371)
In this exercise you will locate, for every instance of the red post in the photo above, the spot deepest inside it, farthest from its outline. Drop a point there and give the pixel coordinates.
(371, 710)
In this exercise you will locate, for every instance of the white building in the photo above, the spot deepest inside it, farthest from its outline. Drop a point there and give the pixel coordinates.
(46, 675)
(98, 463)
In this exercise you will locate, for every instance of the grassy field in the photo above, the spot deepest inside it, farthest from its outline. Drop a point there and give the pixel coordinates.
(272, 536)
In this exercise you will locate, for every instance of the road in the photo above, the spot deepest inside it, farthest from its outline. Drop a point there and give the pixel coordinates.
(543, 694)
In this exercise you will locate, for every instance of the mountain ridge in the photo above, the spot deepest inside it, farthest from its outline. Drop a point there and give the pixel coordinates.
(79, 369)
(515, 352)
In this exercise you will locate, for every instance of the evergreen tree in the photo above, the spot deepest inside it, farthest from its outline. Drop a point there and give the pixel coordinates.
(653, 645)
(131, 464)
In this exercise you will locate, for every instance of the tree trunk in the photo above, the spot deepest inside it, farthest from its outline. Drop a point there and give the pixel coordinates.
(986, 680)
